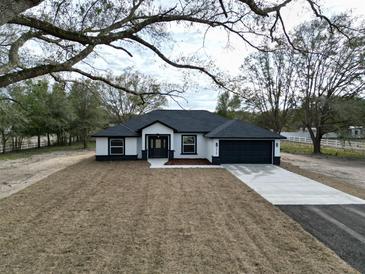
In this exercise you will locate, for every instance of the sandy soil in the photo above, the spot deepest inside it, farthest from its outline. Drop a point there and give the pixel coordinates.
(124, 217)
(345, 186)
(18, 174)
(348, 171)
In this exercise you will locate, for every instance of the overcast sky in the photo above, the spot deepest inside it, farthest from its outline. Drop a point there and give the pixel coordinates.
(202, 94)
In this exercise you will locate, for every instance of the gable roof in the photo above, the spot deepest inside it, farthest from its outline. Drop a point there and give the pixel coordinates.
(190, 121)
(242, 130)
(158, 122)
(180, 120)
(120, 130)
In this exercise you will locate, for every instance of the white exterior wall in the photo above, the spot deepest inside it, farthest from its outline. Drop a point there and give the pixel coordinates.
(130, 146)
(215, 147)
(157, 128)
(212, 148)
(139, 148)
(277, 148)
(101, 146)
(209, 149)
(201, 146)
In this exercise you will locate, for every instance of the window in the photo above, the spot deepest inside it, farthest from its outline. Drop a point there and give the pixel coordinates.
(188, 144)
(116, 146)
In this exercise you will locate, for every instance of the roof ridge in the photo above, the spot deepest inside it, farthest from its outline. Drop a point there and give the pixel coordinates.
(128, 128)
(180, 110)
(222, 126)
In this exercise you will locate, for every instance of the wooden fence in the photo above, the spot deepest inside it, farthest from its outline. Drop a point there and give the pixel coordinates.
(330, 142)
(27, 143)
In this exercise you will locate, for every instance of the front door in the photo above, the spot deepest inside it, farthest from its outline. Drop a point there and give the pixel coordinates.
(157, 146)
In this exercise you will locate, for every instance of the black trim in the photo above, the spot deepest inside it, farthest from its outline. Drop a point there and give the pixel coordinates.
(146, 142)
(216, 160)
(195, 144)
(171, 154)
(120, 155)
(117, 136)
(276, 161)
(116, 157)
(157, 121)
(247, 138)
(144, 154)
(163, 151)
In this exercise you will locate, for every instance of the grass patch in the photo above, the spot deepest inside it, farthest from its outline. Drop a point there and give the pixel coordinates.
(34, 151)
(298, 148)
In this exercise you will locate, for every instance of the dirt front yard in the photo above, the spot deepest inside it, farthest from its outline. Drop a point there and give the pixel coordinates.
(351, 171)
(343, 174)
(126, 218)
(18, 174)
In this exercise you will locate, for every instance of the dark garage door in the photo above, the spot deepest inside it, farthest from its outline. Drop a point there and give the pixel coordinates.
(248, 152)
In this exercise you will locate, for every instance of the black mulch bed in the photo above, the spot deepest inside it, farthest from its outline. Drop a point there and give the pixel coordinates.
(188, 162)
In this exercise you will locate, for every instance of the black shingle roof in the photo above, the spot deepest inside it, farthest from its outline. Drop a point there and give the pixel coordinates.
(194, 121)
(179, 120)
(242, 130)
(116, 131)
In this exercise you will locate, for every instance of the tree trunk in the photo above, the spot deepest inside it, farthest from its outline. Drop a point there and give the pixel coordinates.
(317, 146)
(69, 139)
(12, 144)
(39, 141)
(3, 139)
(85, 142)
(48, 140)
(20, 142)
(316, 139)
(85, 138)
(4, 144)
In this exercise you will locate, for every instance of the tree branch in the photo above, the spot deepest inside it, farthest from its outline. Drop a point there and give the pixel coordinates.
(168, 61)
(10, 8)
(33, 72)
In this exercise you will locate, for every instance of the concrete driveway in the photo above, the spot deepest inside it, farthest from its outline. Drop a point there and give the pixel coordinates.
(335, 218)
(282, 187)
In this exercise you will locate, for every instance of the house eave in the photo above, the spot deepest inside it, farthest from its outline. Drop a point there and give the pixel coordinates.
(154, 122)
(246, 138)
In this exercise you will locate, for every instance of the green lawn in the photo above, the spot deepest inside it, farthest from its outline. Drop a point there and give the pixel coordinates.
(29, 152)
(298, 148)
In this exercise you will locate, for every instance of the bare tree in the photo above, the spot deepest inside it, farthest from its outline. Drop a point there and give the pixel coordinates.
(267, 84)
(66, 34)
(121, 106)
(331, 70)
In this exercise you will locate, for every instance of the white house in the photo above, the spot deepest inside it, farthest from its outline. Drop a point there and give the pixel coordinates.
(356, 131)
(188, 134)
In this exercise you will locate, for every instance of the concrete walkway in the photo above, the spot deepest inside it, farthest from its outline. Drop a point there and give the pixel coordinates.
(282, 187)
(157, 162)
